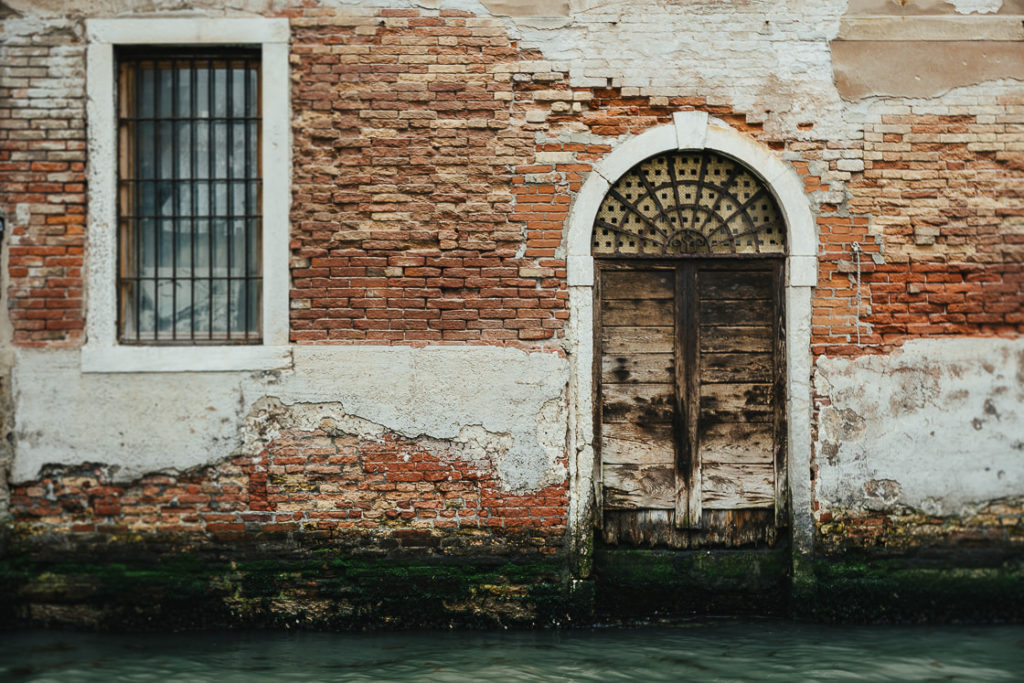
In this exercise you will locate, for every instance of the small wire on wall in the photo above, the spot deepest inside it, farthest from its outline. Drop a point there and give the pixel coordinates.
(856, 248)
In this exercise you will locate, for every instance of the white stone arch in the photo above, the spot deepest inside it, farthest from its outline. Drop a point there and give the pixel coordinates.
(693, 130)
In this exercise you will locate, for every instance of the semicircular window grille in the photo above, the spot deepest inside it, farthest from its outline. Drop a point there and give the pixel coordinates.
(695, 202)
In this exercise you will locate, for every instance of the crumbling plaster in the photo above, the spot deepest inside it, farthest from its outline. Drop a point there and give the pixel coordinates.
(503, 402)
(764, 57)
(937, 426)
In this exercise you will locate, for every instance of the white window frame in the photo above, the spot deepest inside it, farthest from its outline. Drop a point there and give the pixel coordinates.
(102, 351)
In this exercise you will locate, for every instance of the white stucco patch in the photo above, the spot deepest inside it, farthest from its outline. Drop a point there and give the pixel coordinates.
(976, 6)
(936, 426)
(143, 422)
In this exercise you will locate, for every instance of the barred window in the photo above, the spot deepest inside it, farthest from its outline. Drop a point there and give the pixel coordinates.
(189, 196)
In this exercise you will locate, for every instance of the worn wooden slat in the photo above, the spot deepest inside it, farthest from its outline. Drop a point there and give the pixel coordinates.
(735, 339)
(641, 527)
(638, 431)
(736, 367)
(641, 367)
(630, 486)
(637, 312)
(737, 442)
(728, 284)
(641, 403)
(736, 312)
(750, 526)
(656, 449)
(656, 528)
(729, 486)
(636, 284)
(736, 402)
(630, 340)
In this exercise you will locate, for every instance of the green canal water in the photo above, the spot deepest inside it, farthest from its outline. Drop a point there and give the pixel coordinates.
(702, 651)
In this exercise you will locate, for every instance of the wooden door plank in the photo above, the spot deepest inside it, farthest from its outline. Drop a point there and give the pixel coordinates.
(641, 403)
(638, 368)
(637, 312)
(737, 312)
(630, 486)
(736, 402)
(736, 367)
(735, 339)
(638, 431)
(632, 340)
(737, 442)
(729, 284)
(731, 486)
(636, 284)
(652, 449)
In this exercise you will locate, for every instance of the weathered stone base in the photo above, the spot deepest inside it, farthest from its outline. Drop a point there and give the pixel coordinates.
(929, 586)
(416, 579)
(641, 584)
(174, 583)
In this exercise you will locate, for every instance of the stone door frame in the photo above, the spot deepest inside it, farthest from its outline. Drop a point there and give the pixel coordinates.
(691, 130)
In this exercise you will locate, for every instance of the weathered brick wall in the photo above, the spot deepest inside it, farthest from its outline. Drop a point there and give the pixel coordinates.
(434, 166)
(435, 160)
(936, 202)
(406, 225)
(42, 182)
(996, 524)
(322, 483)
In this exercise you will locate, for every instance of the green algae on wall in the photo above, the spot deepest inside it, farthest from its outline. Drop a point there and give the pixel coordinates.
(157, 584)
(643, 583)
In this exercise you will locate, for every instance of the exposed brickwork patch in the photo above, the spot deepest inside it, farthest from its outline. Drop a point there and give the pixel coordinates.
(42, 183)
(937, 207)
(1000, 523)
(303, 481)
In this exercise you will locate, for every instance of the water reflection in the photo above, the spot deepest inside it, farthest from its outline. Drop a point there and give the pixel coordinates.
(715, 651)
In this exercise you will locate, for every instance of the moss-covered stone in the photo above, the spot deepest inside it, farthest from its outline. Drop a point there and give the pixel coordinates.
(912, 589)
(166, 584)
(644, 583)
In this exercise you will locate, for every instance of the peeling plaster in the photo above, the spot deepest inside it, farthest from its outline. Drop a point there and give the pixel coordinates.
(505, 402)
(771, 59)
(979, 6)
(933, 426)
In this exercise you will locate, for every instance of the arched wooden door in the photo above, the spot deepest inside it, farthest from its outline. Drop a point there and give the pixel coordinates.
(689, 339)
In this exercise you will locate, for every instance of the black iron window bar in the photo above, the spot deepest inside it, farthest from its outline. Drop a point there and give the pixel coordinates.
(189, 196)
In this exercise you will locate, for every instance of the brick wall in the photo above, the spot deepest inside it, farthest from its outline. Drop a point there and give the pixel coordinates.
(938, 210)
(318, 482)
(42, 183)
(406, 226)
(434, 165)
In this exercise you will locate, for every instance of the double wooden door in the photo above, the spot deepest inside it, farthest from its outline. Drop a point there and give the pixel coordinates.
(690, 360)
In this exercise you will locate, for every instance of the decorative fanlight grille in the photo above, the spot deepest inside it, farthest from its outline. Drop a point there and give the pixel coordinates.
(695, 202)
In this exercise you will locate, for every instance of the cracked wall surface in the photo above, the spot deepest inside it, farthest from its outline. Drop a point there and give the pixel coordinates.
(936, 427)
(506, 402)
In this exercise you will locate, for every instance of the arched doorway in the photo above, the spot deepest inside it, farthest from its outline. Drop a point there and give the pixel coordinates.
(675, 399)
(689, 347)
